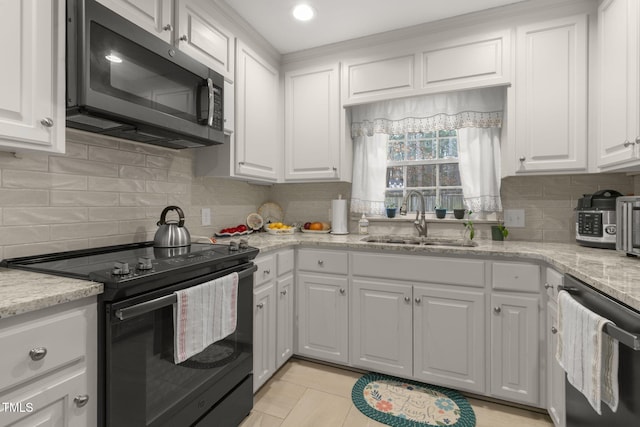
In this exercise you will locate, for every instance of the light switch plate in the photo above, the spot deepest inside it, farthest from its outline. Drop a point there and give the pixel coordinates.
(206, 216)
(514, 217)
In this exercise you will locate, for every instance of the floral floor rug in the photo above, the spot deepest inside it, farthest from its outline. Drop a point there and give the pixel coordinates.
(404, 403)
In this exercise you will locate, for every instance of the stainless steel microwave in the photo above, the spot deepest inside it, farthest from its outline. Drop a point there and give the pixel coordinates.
(628, 220)
(125, 82)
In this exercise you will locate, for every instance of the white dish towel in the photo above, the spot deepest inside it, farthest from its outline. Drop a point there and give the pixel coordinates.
(204, 314)
(587, 354)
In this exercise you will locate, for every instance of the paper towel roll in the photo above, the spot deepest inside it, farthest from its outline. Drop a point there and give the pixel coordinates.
(339, 223)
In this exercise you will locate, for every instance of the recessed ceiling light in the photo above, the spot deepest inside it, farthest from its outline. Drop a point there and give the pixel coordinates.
(303, 12)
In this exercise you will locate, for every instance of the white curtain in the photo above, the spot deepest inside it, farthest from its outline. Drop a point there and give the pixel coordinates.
(479, 152)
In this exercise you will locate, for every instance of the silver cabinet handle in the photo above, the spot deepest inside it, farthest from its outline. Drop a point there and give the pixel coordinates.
(260, 305)
(81, 400)
(522, 158)
(407, 299)
(265, 272)
(211, 92)
(241, 163)
(628, 143)
(342, 291)
(554, 330)
(320, 262)
(547, 286)
(497, 309)
(284, 292)
(184, 38)
(47, 122)
(167, 27)
(37, 353)
(418, 300)
(638, 140)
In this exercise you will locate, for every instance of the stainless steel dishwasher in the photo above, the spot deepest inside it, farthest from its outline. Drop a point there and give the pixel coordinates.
(627, 332)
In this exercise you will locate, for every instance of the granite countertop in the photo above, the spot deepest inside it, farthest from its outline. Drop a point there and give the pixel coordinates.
(25, 291)
(609, 271)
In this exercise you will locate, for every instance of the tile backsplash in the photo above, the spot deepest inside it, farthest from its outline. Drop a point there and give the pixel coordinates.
(105, 191)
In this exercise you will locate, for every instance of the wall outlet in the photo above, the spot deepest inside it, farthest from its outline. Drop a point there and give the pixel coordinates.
(514, 217)
(206, 216)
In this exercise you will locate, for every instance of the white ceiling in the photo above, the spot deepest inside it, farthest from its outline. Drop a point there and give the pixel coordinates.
(339, 20)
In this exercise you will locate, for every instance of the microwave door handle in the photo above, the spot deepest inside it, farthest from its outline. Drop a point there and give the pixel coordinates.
(211, 101)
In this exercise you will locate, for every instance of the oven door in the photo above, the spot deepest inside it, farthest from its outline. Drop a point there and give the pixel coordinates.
(143, 385)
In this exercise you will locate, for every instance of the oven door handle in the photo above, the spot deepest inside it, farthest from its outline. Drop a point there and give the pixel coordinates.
(154, 304)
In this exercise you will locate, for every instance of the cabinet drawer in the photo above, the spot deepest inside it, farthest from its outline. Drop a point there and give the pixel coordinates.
(266, 270)
(451, 271)
(284, 261)
(61, 339)
(322, 261)
(513, 276)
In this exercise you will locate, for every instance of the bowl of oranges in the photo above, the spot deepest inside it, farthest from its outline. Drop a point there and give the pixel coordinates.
(316, 227)
(279, 228)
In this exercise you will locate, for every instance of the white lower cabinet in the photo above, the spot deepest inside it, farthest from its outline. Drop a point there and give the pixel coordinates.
(381, 326)
(515, 361)
(555, 372)
(273, 314)
(49, 367)
(449, 337)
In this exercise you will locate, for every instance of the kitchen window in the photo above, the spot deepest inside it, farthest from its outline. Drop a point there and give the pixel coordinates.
(426, 162)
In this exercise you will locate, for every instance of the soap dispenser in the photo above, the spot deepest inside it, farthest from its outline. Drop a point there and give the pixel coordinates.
(363, 225)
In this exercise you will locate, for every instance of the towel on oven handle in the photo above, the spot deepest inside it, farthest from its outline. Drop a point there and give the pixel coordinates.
(204, 314)
(586, 353)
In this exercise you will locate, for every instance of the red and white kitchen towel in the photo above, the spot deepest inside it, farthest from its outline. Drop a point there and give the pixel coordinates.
(204, 314)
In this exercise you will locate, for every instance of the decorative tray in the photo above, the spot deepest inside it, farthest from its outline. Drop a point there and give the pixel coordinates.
(281, 231)
(234, 234)
(315, 231)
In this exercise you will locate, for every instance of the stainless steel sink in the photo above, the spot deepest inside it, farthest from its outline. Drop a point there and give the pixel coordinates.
(413, 240)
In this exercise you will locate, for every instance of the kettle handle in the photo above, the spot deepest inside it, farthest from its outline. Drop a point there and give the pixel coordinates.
(163, 215)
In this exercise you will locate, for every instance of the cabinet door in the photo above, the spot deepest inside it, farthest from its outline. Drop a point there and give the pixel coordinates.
(322, 317)
(258, 146)
(381, 327)
(312, 112)
(515, 364)
(32, 77)
(449, 337)
(555, 373)
(381, 78)
(285, 320)
(618, 103)
(204, 39)
(155, 16)
(264, 334)
(551, 101)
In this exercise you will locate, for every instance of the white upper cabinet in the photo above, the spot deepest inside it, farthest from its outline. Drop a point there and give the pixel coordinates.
(32, 77)
(551, 96)
(201, 37)
(618, 97)
(258, 147)
(312, 117)
(155, 16)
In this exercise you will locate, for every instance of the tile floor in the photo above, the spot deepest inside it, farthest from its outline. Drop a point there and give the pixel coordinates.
(307, 394)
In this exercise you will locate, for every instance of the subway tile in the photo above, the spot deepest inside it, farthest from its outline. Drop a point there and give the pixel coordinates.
(143, 199)
(42, 180)
(137, 226)
(136, 172)
(111, 155)
(24, 234)
(558, 236)
(44, 215)
(83, 230)
(14, 251)
(97, 242)
(181, 177)
(121, 213)
(82, 167)
(83, 198)
(147, 149)
(162, 162)
(23, 197)
(25, 161)
(73, 150)
(166, 187)
(116, 184)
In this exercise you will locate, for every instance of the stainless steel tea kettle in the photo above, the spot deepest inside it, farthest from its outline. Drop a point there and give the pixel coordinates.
(171, 234)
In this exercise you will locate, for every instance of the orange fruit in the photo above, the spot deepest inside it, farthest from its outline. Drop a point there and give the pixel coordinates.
(315, 226)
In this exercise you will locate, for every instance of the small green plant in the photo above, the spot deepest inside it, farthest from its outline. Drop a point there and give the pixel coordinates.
(503, 230)
(468, 225)
(390, 204)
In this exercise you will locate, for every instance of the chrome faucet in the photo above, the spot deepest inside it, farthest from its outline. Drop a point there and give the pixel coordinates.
(420, 222)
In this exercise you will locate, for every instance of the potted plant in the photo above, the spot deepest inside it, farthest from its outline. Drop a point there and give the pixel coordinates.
(499, 232)
(468, 227)
(458, 213)
(391, 208)
(439, 210)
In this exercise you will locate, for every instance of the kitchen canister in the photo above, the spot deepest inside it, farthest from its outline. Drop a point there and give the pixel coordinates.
(339, 213)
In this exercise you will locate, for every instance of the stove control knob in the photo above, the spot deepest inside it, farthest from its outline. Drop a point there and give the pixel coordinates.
(120, 268)
(244, 244)
(233, 245)
(144, 263)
